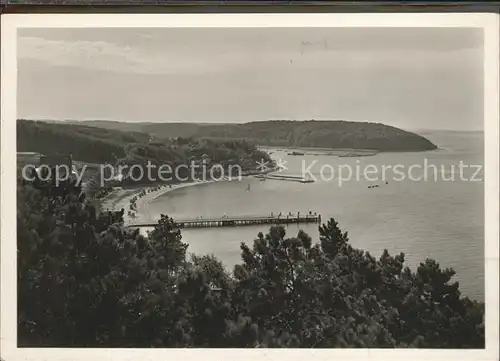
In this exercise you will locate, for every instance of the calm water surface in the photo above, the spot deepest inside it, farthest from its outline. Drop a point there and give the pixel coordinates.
(437, 219)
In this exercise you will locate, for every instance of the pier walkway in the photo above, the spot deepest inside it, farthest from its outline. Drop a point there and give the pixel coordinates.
(284, 177)
(236, 221)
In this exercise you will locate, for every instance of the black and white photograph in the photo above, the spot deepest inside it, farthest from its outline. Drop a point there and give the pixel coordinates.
(246, 186)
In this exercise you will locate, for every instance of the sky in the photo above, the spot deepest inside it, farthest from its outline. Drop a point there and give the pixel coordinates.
(412, 78)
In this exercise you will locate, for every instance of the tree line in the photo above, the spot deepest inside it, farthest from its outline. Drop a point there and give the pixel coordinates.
(86, 281)
(289, 133)
(97, 145)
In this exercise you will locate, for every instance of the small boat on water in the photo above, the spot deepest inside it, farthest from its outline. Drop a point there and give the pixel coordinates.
(295, 153)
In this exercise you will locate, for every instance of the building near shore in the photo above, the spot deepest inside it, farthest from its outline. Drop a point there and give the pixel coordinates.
(28, 158)
(91, 186)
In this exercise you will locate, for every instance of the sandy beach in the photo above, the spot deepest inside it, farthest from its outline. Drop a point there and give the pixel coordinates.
(120, 198)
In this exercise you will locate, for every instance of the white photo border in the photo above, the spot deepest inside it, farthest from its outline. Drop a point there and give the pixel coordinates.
(8, 292)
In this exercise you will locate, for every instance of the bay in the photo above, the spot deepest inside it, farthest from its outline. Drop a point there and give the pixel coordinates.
(437, 217)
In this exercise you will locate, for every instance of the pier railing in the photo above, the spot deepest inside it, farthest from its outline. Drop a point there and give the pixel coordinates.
(237, 221)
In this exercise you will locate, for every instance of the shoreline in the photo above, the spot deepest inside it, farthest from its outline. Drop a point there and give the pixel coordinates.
(334, 151)
(120, 197)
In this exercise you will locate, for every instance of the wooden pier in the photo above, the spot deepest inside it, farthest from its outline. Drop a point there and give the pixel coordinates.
(237, 221)
(290, 178)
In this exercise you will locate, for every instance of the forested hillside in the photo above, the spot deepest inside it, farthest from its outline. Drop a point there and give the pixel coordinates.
(320, 134)
(98, 145)
(88, 144)
(85, 281)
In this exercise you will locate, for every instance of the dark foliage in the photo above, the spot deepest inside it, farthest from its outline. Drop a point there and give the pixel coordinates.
(282, 133)
(128, 148)
(84, 280)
